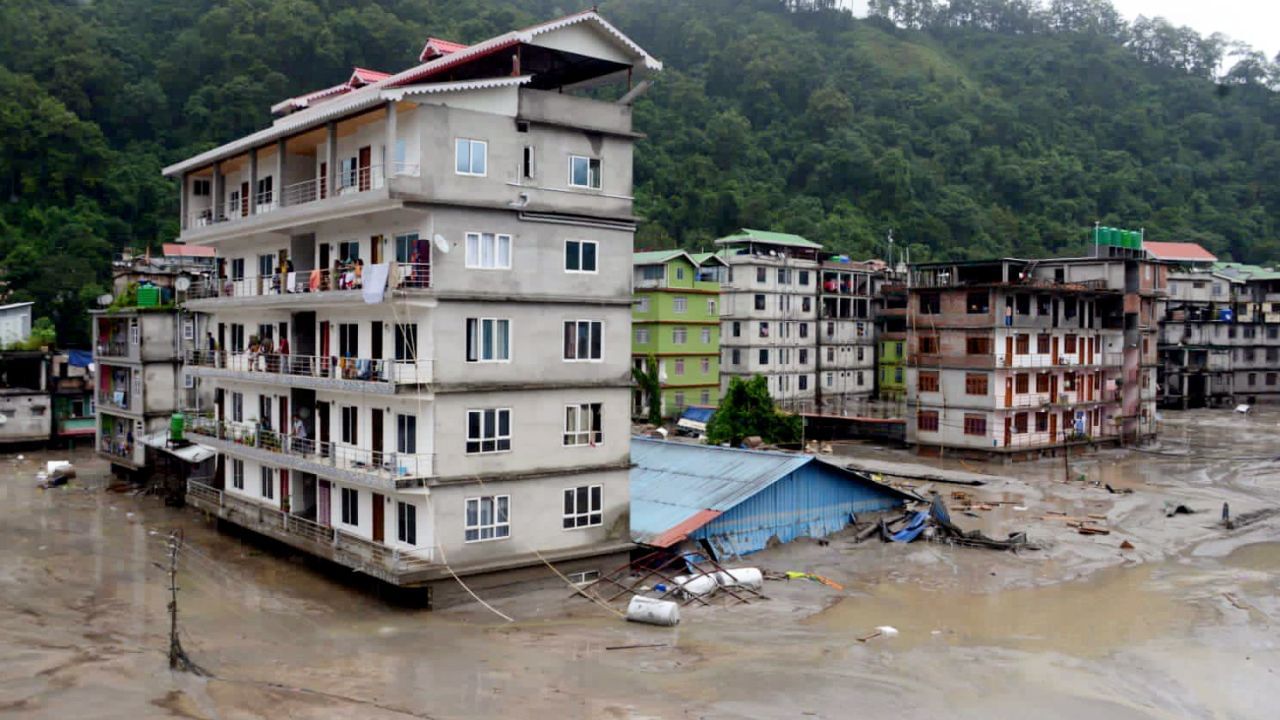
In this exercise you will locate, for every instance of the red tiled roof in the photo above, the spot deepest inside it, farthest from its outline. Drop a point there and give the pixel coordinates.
(681, 531)
(436, 47)
(1178, 252)
(181, 250)
(366, 76)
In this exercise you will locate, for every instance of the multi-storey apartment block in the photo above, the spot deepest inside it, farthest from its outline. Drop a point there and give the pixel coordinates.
(423, 312)
(845, 341)
(769, 313)
(1019, 356)
(891, 339)
(1220, 330)
(676, 322)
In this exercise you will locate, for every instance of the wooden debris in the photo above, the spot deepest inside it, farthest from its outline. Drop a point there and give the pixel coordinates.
(1092, 530)
(632, 647)
(1126, 545)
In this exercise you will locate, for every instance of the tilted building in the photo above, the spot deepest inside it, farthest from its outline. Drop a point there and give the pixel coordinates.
(423, 312)
(845, 341)
(768, 314)
(1017, 356)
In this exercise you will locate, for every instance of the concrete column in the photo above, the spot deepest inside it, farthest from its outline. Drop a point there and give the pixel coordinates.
(184, 205)
(217, 192)
(331, 143)
(389, 152)
(279, 178)
(253, 181)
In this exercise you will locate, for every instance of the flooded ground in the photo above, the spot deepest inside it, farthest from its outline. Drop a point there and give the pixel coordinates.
(1184, 625)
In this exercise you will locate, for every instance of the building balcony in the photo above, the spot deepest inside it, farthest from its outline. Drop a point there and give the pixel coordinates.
(393, 565)
(366, 375)
(119, 400)
(361, 466)
(339, 284)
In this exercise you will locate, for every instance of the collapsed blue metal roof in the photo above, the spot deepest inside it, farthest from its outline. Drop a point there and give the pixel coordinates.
(698, 413)
(679, 488)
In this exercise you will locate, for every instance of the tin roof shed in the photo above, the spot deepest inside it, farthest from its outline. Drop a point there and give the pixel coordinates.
(740, 500)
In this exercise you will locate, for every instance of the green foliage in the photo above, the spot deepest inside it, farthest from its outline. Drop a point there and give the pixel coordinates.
(647, 379)
(969, 128)
(747, 409)
(42, 335)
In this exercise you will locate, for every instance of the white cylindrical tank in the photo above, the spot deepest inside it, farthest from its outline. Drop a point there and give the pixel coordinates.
(653, 611)
(694, 586)
(741, 577)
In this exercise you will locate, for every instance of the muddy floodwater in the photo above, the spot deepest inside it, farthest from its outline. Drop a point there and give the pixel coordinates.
(1183, 624)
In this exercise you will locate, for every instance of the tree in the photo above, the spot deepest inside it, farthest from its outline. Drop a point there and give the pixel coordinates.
(646, 378)
(748, 410)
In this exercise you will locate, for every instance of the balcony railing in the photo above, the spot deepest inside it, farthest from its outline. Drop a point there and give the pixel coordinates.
(382, 465)
(308, 191)
(349, 549)
(112, 348)
(400, 276)
(395, 372)
(122, 450)
(111, 398)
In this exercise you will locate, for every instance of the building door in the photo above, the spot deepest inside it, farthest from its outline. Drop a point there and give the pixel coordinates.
(1053, 427)
(1055, 350)
(324, 348)
(1088, 387)
(378, 518)
(324, 182)
(322, 502)
(244, 199)
(1008, 392)
(282, 402)
(375, 329)
(284, 491)
(1053, 388)
(1008, 351)
(366, 155)
(375, 423)
(322, 428)
(1008, 431)
(324, 256)
(375, 249)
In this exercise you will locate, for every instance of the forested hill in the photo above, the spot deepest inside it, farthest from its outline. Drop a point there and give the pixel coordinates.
(969, 128)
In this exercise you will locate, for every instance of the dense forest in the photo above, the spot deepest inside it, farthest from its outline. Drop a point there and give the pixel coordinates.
(967, 128)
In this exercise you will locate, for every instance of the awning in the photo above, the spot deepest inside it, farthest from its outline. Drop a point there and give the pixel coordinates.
(193, 453)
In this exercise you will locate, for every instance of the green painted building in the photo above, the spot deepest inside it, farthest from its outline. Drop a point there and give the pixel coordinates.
(676, 321)
(892, 367)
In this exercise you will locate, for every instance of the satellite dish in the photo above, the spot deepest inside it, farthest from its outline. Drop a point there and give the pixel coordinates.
(441, 244)
(182, 284)
(104, 300)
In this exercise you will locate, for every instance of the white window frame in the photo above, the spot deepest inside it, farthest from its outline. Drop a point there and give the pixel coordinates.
(678, 367)
(352, 411)
(680, 304)
(705, 365)
(354, 506)
(642, 336)
(188, 329)
(497, 529)
(476, 329)
(475, 251)
(237, 407)
(267, 475)
(575, 517)
(711, 306)
(471, 145)
(642, 305)
(135, 332)
(237, 474)
(599, 180)
(595, 329)
(486, 435)
(578, 430)
(680, 335)
(403, 510)
(582, 244)
(706, 335)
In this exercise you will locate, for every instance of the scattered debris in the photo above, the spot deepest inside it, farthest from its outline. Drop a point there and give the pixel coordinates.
(881, 631)
(1171, 509)
(634, 647)
(689, 576)
(1126, 545)
(797, 575)
(1236, 601)
(1092, 530)
(1121, 491)
(935, 525)
(653, 611)
(1249, 518)
(1243, 409)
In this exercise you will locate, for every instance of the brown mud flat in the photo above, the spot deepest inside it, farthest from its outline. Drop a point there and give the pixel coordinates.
(1183, 625)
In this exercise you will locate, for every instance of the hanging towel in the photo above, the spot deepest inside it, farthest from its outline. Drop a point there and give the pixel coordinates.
(291, 282)
(375, 282)
(314, 283)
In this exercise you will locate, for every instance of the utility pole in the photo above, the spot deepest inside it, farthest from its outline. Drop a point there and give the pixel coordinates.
(178, 659)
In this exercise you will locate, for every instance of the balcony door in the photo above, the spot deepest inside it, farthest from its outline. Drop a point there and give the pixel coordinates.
(324, 182)
(375, 422)
(322, 502)
(379, 518)
(363, 169)
(244, 199)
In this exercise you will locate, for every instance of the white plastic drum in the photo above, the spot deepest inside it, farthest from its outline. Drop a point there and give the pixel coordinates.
(741, 577)
(653, 611)
(696, 586)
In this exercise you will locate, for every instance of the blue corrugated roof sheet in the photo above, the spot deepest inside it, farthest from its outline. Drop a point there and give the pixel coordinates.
(698, 413)
(672, 483)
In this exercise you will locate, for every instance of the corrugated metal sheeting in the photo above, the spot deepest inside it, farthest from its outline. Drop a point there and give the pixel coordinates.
(740, 499)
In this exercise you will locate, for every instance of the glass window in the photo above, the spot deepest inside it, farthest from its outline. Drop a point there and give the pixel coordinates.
(488, 518)
(488, 340)
(350, 506)
(583, 340)
(680, 304)
(488, 251)
(470, 157)
(582, 425)
(580, 256)
(407, 434)
(407, 523)
(584, 172)
(582, 506)
(488, 430)
(268, 483)
(406, 342)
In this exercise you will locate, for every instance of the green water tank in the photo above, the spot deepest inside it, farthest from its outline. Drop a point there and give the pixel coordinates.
(177, 427)
(149, 296)
(1113, 236)
(1135, 240)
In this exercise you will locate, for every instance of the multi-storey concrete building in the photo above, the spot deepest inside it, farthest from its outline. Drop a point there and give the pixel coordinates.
(891, 338)
(1220, 331)
(423, 315)
(845, 341)
(769, 312)
(676, 322)
(1018, 356)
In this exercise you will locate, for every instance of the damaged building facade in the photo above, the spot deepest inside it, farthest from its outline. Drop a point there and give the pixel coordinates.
(423, 309)
(1016, 357)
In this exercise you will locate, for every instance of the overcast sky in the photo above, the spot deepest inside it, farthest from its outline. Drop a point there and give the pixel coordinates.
(1256, 22)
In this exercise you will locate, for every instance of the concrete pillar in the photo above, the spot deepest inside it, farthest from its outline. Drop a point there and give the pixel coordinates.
(331, 145)
(217, 193)
(279, 178)
(389, 152)
(184, 205)
(253, 181)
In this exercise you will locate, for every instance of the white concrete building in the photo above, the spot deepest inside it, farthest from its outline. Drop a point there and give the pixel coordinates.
(422, 316)
(15, 323)
(768, 313)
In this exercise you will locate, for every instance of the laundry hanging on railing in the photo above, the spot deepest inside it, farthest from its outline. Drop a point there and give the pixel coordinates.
(375, 282)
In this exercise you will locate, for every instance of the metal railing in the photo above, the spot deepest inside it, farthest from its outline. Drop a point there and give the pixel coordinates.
(354, 549)
(112, 348)
(106, 398)
(401, 276)
(301, 193)
(399, 372)
(382, 465)
(122, 450)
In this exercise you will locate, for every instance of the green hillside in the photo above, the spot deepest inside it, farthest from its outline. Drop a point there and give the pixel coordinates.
(973, 128)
